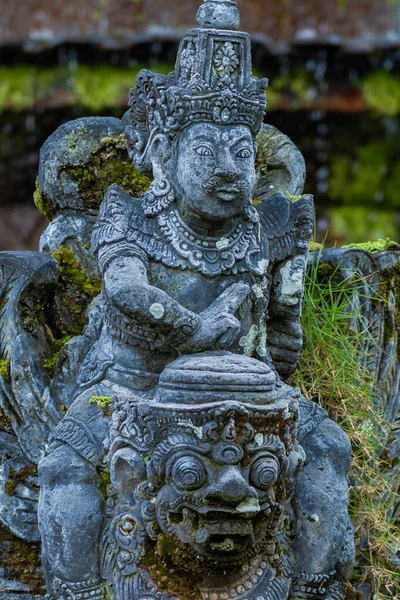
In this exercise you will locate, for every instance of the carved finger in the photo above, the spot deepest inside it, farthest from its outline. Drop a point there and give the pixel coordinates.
(230, 300)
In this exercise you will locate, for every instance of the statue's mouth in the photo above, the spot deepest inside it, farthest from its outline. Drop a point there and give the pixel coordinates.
(227, 193)
(215, 531)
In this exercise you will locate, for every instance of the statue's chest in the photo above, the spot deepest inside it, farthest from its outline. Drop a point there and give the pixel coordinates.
(192, 289)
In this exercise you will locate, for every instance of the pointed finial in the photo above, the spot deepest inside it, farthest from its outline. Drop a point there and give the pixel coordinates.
(219, 14)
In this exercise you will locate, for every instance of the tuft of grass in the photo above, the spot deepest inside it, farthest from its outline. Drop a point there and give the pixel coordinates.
(330, 373)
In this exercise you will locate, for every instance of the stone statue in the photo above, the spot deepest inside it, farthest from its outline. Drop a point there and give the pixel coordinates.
(224, 481)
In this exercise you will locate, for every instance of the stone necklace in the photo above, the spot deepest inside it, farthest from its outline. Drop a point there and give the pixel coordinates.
(211, 255)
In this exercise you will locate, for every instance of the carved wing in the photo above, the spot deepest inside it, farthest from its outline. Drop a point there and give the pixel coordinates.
(29, 412)
(280, 166)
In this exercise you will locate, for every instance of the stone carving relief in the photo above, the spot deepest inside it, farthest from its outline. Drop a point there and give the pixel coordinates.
(173, 461)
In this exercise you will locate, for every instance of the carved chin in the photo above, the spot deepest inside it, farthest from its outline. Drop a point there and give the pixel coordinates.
(217, 535)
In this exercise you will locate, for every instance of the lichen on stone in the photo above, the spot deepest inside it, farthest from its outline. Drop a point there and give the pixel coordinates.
(103, 402)
(291, 197)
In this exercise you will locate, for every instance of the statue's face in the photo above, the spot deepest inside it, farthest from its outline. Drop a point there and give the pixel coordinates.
(215, 173)
(219, 497)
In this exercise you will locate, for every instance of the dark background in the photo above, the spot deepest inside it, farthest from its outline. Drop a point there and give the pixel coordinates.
(333, 67)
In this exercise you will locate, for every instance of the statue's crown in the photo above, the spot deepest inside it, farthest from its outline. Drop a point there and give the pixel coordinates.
(212, 82)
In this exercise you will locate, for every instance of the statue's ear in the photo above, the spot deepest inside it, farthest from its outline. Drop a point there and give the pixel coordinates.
(127, 469)
(160, 153)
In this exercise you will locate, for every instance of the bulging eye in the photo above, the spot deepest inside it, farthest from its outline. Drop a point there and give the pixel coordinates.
(264, 472)
(204, 151)
(244, 153)
(188, 473)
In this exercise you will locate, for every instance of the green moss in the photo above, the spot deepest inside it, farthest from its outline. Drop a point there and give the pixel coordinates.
(105, 480)
(376, 245)
(108, 164)
(105, 86)
(17, 477)
(56, 346)
(44, 204)
(103, 402)
(291, 197)
(70, 269)
(351, 223)
(5, 369)
(381, 92)
(22, 560)
(74, 292)
(161, 560)
(315, 247)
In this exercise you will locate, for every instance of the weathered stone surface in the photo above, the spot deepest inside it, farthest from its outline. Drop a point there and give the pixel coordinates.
(177, 469)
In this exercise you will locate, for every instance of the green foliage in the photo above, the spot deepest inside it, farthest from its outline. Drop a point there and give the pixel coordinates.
(330, 373)
(381, 92)
(368, 172)
(297, 83)
(352, 222)
(93, 87)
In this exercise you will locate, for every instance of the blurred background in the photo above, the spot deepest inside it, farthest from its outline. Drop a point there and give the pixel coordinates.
(333, 67)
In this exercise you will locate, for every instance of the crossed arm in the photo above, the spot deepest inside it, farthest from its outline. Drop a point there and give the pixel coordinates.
(126, 285)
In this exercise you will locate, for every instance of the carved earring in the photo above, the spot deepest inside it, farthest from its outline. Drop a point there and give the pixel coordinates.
(158, 197)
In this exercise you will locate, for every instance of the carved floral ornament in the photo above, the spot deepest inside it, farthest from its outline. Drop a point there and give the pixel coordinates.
(225, 60)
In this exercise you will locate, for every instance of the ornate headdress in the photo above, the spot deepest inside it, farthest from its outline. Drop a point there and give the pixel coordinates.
(212, 82)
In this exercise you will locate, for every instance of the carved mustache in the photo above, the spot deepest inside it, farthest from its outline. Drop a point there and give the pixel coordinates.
(216, 182)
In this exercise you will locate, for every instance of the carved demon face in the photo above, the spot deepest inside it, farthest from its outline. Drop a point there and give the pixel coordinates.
(220, 493)
(215, 172)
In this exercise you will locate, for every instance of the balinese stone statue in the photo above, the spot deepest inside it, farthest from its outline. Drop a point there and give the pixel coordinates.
(224, 481)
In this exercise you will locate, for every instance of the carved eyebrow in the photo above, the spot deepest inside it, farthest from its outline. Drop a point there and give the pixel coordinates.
(203, 138)
(243, 139)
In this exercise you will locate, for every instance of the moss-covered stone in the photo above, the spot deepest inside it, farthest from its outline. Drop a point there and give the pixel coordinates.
(161, 561)
(103, 402)
(5, 369)
(315, 246)
(108, 164)
(44, 204)
(376, 245)
(292, 197)
(74, 292)
(21, 560)
(56, 346)
(17, 477)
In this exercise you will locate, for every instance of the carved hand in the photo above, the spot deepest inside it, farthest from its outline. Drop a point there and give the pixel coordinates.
(218, 325)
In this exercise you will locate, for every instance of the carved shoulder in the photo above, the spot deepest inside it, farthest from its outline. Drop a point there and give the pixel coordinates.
(287, 224)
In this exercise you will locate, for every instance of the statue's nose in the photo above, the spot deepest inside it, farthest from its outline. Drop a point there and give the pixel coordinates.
(230, 489)
(227, 174)
(226, 168)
